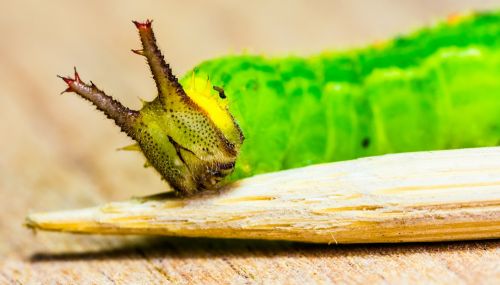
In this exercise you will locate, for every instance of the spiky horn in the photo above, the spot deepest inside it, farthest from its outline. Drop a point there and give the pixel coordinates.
(123, 116)
(166, 82)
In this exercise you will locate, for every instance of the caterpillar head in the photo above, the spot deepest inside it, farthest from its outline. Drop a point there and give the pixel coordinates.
(187, 135)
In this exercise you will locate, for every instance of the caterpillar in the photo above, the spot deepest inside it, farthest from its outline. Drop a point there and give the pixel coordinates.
(436, 88)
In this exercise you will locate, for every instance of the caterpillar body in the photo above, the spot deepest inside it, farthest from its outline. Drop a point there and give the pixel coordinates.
(437, 88)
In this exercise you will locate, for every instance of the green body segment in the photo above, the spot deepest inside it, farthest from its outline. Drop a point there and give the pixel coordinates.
(437, 88)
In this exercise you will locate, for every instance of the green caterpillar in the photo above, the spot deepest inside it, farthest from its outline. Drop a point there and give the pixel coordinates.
(437, 88)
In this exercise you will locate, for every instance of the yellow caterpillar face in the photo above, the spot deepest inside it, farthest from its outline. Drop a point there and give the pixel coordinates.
(189, 136)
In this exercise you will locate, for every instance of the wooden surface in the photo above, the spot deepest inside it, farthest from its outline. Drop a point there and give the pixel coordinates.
(57, 153)
(407, 197)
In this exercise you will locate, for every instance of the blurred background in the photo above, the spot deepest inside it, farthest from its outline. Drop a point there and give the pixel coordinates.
(57, 152)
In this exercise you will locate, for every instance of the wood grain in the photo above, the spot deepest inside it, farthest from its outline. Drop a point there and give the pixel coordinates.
(57, 153)
(408, 197)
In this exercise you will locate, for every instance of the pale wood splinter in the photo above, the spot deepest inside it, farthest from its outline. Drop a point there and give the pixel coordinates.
(410, 197)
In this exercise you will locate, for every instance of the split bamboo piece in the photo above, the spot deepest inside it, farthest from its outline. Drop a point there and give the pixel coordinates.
(409, 197)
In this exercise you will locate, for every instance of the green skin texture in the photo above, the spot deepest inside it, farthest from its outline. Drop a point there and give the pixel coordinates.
(436, 88)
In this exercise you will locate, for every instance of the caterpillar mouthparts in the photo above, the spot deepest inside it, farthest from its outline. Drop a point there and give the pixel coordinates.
(188, 136)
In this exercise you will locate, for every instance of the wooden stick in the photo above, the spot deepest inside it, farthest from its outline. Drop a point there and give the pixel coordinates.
(409, 197)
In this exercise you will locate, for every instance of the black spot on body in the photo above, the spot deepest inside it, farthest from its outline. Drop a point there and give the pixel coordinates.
(365, 143)
(222, 95)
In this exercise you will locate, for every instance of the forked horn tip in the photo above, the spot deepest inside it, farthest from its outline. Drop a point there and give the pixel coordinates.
(143, 25)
